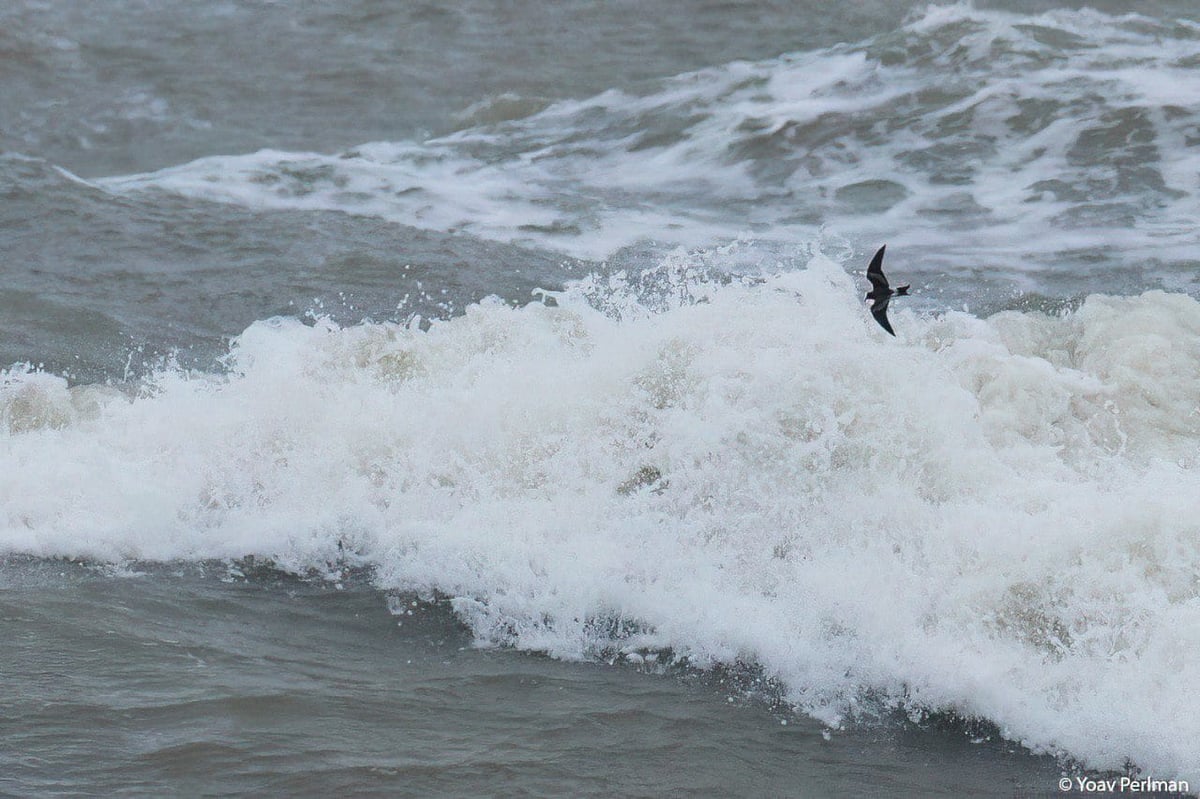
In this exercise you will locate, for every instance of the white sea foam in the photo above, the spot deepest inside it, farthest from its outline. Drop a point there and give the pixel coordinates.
(992, 516)
(1014, 138)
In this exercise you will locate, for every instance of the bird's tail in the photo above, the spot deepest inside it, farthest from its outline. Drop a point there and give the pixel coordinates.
(902, 291)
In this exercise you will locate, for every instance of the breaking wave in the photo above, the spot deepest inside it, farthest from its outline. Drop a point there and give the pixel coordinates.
(994, 517)
(958, 136)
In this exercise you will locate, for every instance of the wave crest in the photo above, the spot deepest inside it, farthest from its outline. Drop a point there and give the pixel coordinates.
(990, 516)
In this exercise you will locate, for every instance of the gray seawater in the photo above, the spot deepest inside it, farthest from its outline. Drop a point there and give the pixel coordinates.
(196, 683)
(172, 173)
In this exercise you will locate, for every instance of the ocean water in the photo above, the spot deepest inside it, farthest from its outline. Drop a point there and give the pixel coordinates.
(480, 400)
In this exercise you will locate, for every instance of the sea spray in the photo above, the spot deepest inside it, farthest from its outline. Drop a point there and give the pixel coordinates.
(994, 517)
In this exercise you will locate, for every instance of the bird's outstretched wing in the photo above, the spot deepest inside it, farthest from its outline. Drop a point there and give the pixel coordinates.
(875, 271)
(879, 311)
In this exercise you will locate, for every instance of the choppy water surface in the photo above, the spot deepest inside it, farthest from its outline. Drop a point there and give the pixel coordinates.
(195, 681)
(550, 320)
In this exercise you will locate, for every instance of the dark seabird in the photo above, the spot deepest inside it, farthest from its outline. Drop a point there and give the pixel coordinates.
(880, 292)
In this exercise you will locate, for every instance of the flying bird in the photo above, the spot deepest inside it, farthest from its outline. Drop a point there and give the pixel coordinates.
(881, 293)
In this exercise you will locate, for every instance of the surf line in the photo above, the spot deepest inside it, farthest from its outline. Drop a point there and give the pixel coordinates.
(881, 293)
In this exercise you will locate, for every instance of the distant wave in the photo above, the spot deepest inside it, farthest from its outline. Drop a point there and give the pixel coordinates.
(996, 517)
(1035, 142)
